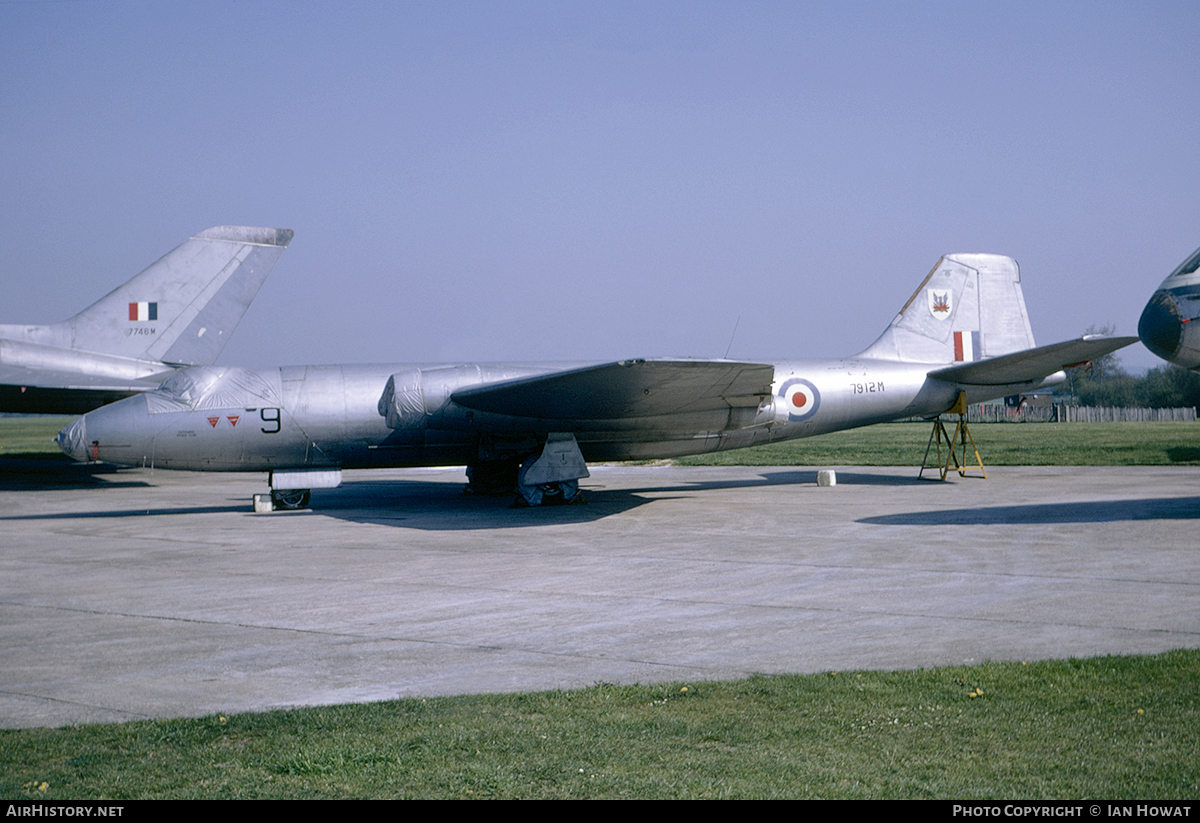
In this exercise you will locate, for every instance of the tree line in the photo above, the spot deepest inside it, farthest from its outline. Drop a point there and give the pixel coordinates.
(1163, 387)
(1104, 382)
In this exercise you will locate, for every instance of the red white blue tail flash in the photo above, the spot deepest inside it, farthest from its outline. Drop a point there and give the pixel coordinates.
(966, 346)
(143, 312)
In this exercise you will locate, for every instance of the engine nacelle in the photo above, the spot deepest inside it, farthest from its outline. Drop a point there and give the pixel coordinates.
(411, 396)
(771, 412)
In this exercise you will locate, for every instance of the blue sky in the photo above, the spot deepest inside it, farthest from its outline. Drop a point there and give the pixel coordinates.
(595, 181)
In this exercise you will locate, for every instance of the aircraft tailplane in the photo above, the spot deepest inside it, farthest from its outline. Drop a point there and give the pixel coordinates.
(969, 307)
(183, 308)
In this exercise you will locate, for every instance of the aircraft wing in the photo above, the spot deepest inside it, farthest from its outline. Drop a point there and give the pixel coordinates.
(628, 388)
(1032, 364)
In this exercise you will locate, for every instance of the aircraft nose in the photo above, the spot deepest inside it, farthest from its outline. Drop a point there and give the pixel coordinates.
(117, 433)
(73, 440)
(1161, 327)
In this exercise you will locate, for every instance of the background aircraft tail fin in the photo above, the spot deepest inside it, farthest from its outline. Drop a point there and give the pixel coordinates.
(183, 308)
(969, 307)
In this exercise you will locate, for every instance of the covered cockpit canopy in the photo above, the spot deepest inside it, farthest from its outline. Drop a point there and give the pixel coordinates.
(215, 387)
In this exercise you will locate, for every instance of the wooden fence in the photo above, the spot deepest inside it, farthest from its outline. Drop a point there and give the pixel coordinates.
(1061, 413)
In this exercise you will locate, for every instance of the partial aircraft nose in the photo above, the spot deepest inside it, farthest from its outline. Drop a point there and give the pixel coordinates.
(1161, 327)
(1170, 326)
(73, 439)
(116, 433)
(1170, 323)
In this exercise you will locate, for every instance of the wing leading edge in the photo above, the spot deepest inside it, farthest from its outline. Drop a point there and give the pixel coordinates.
(627, 388)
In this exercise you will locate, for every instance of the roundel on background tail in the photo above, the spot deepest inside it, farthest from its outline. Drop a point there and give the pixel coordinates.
(801, 397)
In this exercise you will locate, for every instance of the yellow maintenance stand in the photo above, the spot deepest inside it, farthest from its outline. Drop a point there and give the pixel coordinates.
(960, 438)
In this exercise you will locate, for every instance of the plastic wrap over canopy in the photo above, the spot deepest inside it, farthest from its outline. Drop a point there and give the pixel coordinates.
(214, 387)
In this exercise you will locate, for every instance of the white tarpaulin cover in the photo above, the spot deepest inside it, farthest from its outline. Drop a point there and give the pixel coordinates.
(213, 387)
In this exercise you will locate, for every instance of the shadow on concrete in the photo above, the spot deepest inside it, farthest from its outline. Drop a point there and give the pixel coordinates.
(440, 506)
(1102, 511)
(434, 505)
(232, 508)
(786, 476)
(33, 474)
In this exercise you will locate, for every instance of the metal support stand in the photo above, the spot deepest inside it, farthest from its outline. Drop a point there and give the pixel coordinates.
(960, 437)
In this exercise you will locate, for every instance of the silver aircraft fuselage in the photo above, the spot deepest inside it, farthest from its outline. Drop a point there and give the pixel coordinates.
(229, 419)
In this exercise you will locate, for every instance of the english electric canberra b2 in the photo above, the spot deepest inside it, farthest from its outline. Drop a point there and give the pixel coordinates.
(964, 331)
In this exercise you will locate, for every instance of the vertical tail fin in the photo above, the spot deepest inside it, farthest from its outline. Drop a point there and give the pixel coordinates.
(968, 308)
(183, 308)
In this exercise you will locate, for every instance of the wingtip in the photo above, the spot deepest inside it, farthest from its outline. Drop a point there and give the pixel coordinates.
(1122, 340)
(249, 234)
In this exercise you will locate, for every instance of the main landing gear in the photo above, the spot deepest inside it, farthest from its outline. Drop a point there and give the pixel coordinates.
(547, 478)
(492, 478)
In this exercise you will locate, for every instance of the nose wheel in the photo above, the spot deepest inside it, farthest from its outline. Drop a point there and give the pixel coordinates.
(290, 499)
(291, 489)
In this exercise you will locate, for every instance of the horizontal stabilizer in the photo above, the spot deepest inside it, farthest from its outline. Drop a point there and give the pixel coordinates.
(1032, 364)
(629, 388)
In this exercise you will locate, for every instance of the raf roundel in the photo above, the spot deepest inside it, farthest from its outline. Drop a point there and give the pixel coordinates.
(801, 397)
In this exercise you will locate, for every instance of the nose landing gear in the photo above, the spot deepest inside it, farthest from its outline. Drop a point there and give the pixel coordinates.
(291, 489)
(291, 499)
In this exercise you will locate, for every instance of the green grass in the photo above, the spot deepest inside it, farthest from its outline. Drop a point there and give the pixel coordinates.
(1000, 444)
(31, 436)
(1111, 727)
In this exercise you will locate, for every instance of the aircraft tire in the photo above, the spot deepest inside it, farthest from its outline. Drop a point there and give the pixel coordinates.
(291, 499)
